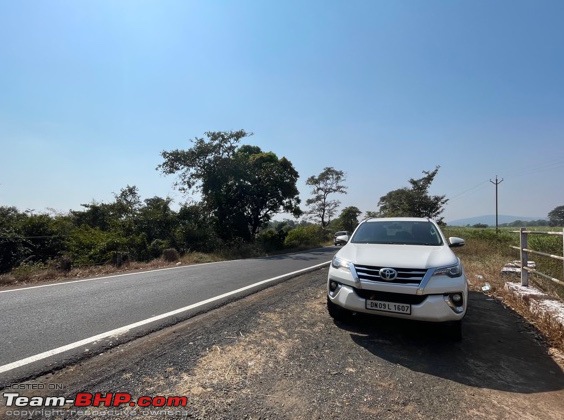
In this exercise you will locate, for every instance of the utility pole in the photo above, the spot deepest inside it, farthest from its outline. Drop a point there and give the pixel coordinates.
(496, 183)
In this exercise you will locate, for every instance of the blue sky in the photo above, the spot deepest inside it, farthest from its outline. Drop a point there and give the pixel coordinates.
(92, 91)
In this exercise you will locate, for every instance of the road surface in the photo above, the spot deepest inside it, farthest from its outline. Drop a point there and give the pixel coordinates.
(73, 318)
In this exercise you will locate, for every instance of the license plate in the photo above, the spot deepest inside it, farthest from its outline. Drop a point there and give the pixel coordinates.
(398, 308)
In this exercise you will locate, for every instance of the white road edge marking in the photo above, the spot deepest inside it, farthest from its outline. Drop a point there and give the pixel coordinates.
(126, 328)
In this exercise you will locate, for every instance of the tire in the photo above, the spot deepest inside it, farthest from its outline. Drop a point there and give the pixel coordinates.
(338, 313)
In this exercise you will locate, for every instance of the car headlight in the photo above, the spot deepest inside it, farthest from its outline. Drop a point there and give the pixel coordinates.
(338, 262)
(451, 270)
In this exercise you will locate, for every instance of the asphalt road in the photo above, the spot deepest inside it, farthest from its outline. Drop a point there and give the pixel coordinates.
(36, 320)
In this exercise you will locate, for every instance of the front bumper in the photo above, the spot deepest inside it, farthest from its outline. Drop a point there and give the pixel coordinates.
(430, 303)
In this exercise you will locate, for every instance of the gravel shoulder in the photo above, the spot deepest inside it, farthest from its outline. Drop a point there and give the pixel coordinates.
(278, 355)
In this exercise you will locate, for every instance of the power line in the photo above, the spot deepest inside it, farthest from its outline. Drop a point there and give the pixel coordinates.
(468, 190)
(530, 169)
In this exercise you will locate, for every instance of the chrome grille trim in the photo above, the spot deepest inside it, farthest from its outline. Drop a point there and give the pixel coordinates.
(405, 275)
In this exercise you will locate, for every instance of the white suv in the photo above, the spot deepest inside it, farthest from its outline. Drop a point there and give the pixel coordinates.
(400, 267)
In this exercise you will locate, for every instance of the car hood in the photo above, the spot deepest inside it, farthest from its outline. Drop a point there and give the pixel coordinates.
(404, 256)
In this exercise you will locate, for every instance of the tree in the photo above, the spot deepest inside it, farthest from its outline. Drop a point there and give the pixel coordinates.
(96, 215)
(270, 186)
(242, 187)
(370, 214)
(348, 219)
(329, 181)
(118, 215)
(414, 201)
(156, 219)
(127, 202)
(195, 231)
(556, 216)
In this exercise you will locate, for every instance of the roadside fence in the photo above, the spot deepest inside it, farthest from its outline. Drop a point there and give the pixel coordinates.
(525, 251)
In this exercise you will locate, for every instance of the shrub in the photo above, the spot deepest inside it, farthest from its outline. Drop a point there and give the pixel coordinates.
(170, 255)
(88, 246)
(271, 240)
(64, 263)
(305, 236)
(157, 248)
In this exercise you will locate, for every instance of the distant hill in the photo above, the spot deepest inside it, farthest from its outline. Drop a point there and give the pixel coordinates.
(490, 220)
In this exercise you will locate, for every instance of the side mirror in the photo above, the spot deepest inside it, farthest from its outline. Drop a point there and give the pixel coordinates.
(455, 242)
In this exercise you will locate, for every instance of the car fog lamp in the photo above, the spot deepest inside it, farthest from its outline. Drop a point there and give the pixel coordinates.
(456, 297)
(333, 285)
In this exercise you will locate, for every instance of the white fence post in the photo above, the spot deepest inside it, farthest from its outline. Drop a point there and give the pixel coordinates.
(524, 259)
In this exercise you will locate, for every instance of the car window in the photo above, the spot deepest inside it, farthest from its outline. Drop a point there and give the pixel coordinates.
(396, 233)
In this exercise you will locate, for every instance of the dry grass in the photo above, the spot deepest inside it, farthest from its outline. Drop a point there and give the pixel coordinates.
(237, 364)
(39, 273)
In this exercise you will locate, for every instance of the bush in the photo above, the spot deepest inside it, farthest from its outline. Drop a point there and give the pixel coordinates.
(305, 237)
(64, 263)
(88, 246)
(157, 248)
(271, 240)
(170, 255)
(13, 249)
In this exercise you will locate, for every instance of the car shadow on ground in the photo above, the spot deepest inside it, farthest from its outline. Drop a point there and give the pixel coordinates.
(499, 350)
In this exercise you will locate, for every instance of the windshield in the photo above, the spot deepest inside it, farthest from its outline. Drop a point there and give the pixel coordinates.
(397, 233)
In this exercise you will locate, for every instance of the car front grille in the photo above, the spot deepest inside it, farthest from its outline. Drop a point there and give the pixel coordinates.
(390, 297)
(405, 275)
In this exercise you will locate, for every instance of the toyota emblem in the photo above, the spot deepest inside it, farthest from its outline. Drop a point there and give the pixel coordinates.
(388, 274)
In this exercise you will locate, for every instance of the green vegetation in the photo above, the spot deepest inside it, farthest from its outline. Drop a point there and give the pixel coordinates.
(486, 253)
(241, 189)
(414, 201)
(556, 216)
(347, 220)
(305, 236)
(130, 230)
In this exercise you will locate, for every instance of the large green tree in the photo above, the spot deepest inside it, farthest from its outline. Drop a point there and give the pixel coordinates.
(347, 220)
(329, 181)
(556, 216)
(241, 187)
(415, 201)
